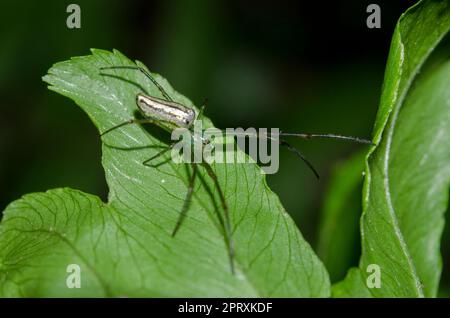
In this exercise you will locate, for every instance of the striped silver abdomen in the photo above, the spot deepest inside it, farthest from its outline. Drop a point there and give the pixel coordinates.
(169, 112)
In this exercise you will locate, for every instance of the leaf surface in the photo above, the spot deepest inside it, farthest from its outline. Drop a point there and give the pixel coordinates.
(125, 247)
(408, 173)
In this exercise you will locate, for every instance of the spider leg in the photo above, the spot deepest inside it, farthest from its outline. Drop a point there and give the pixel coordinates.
(228, 233)
(301, 156)
(187, 200)
(159, 154)
(146, 73)
(202, 109)
(129, 122)
(327, 136)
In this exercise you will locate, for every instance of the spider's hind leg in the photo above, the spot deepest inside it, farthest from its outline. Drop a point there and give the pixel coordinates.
(227, 223)
(146, 73)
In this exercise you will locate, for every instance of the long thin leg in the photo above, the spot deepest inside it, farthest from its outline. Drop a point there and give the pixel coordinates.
(308, 136)
(299, 154)
(129, 122)
(289, 147)
(202, 109)
(144, 71)
(187, 200)
(159, 154)
(329, 136)
(228, 233)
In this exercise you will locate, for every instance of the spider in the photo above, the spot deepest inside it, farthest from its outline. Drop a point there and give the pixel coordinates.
(170, 115)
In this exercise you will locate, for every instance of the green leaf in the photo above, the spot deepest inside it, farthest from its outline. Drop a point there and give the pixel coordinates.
(352, 286)
(408, 173)
(125, 247)
(338, 243)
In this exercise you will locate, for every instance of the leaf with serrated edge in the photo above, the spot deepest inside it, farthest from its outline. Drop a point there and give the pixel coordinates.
(125, 247)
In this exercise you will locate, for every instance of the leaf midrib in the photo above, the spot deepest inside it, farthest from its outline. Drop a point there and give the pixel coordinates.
(386, 155)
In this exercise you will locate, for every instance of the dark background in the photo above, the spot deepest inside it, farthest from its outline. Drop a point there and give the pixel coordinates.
(301, 66)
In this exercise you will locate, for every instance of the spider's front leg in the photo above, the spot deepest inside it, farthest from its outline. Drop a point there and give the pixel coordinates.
(159, 154)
